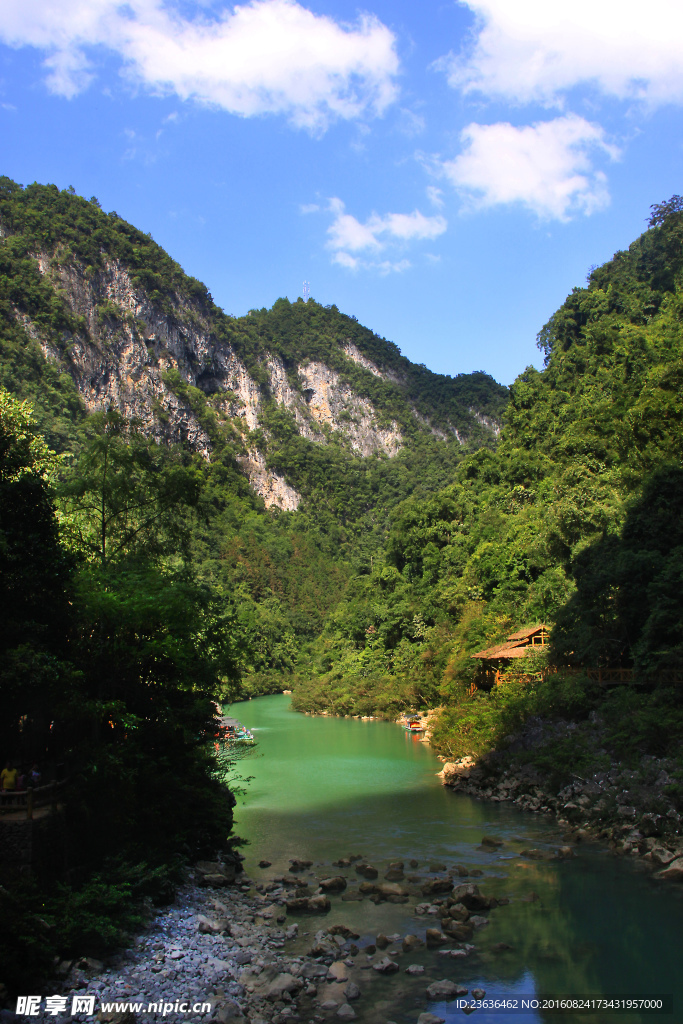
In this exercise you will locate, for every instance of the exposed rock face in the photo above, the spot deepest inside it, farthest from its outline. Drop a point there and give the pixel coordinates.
(354, 353)
(129, 342)
(273, 489)
(486, 421)
(333, 404)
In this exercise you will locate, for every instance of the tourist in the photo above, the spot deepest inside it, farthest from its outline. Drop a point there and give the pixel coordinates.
(34, 778)
(8, 778)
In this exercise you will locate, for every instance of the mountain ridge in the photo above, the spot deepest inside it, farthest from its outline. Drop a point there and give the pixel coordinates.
(108, 307)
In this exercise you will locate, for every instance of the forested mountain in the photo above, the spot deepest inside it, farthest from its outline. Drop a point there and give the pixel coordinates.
(195, 506)
(574, 519)
(297, 407)
(110, 309)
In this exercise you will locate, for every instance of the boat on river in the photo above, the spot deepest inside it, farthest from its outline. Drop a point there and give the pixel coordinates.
(413, 724)
(230, 730)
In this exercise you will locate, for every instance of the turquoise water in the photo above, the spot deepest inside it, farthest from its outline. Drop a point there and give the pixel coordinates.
(324, 788)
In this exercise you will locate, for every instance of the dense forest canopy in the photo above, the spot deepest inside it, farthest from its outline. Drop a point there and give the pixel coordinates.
(572, 520)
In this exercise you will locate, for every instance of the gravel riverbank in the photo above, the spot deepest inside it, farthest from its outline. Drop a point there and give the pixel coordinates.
(261, 952)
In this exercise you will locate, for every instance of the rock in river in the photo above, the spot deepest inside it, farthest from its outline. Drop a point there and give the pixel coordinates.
(386, 966)
(336, 884)
(308, 905)
(366, 870)
(297, 864)
(445, 990)
(434, 938)
(674, 872)
(436, 885)
(470, 897)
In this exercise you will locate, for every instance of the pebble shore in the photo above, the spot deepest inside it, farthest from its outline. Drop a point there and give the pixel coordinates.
(225, 944)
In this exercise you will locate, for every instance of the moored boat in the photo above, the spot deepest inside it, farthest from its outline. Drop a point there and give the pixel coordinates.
(413, 725)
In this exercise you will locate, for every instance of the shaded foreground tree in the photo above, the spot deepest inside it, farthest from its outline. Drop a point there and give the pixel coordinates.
(34, 575)
(111, 663)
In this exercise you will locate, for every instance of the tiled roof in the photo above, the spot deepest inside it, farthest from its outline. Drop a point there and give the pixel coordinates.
(506, 650)
(528, 631)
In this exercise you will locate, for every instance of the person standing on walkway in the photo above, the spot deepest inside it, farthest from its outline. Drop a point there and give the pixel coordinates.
(8, 778)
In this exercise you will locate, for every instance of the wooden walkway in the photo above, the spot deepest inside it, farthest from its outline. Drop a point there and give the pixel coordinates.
(601, 676)
(19, 805)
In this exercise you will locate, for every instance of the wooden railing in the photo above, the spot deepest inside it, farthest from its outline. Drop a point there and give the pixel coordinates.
(606, 676)
(40, 796)
(601, 676)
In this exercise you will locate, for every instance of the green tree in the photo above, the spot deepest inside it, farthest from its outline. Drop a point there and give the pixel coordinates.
(34, 576)
(125, 494)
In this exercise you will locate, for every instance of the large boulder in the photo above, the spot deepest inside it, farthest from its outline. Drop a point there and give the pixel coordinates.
(280, 984)
(212, 926)
(337, 971)
(457, 930)
(459, 912)
(434, 938)
(386, 966)
(335, 884)
(308, 905)
(469, 895)
(297, 864)
(445, 990)
(388, 889)
(367, 870)
(436, 885)
(674, 872)
(213, 873)
(660, 855)
(311, 971)
(342, 929)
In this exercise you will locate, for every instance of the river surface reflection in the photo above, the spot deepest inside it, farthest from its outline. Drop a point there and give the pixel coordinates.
(325, 788)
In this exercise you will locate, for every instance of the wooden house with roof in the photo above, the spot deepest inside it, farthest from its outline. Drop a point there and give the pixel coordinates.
(521, 644)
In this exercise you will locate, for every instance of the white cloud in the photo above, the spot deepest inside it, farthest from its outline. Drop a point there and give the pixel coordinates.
(545, 166)
(262, 57)
(348, 236)
(533, 50)
(435, 196)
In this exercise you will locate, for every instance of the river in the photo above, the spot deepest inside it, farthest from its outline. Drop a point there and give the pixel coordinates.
(325, 788)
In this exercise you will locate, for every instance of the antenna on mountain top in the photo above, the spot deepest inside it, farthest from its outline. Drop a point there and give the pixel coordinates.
(307, 291)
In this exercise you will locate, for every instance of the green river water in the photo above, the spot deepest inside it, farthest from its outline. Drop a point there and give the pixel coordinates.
(324, 788)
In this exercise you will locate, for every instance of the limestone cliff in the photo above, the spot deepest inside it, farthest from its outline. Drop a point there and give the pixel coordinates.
(160, 351)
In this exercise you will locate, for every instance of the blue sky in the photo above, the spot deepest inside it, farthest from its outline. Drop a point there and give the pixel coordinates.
(446, 172)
